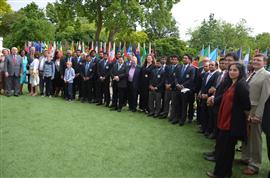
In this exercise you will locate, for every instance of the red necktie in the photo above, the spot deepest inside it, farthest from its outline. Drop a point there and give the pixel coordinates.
(14, 59)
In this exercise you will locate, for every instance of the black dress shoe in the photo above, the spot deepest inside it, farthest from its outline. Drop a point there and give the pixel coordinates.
(134, 110)
(269, 174)
(156, 115)
(212, 136)
(210, 158)
(174, 122)
(181, 123)
(119, 110)
(210, 174)
(189, 121)
(98, 104)
(113, 109)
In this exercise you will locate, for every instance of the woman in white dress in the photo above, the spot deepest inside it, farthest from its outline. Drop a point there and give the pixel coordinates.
(34, 77)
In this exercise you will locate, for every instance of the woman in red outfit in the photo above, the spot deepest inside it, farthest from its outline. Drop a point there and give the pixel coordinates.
(233, 112)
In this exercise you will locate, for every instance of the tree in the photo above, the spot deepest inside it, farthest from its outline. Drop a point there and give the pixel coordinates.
(262, 41)
(28, 24)
(169, 46)
(4, 8)
(221, 34)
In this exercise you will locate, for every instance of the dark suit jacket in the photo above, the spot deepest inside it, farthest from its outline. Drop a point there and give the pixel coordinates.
(157, 79)
(76, 64)
(187, 79)
(241, 103)
(122, 73)
(136, 77)
(169, 74)
(266, 118)
(90, 72)
(211, 82)
(104, 71)
(199, 75)
(145, 76)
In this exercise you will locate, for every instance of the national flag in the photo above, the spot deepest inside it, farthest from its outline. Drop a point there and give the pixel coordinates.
(239, 53)
(246, 59)
(214, 55)
(138, 54)
(223, 52)
(206, 52)
(265, 53)
(144, 54)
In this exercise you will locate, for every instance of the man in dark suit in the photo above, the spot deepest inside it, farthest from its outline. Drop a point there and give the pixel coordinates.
(266, 126)
(103, 71)
(133, 84)
(169, 85)
(87, 73)
(119, 83)
(200, 72)
(209, 80)
(76, 64)
(156, 87)
(184, 76)
(13, 70)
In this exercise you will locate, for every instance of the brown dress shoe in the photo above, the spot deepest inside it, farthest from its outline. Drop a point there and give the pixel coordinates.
(250, 172)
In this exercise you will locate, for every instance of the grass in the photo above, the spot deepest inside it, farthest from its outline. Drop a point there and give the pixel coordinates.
(49, 137)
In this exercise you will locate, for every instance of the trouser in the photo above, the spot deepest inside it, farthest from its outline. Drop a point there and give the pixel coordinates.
(225, 150)
(154, 102)
(41, 83)
(179, 106)
(48, 84)
(118, 96)
(88, 90)
(144, 94)
(132, 96)
(191, 99)
(13, 82)
(211, 120)
(204, 111)
(252, 151)
(77, 86)
(167, 100)
(199, 118)
(104, 91)
(69, 91)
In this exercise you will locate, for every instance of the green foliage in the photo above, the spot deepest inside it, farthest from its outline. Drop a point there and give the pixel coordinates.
(262, 41)
(169, 46)
(221, 34)
(4, 8)
(132, 37)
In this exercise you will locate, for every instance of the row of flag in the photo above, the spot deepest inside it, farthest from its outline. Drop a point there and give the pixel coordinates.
(141, 52)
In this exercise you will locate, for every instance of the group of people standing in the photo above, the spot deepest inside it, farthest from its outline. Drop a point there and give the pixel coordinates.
(232, 104)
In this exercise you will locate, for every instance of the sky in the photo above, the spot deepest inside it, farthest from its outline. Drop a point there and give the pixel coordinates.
(190, 13)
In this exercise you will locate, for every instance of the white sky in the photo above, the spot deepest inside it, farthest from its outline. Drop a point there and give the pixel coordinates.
(190, 13)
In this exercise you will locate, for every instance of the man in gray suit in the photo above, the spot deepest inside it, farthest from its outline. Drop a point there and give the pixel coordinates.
(13, 70)
(259, 83)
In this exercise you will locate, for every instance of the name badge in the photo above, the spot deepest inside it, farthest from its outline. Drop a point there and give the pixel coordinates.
(90, 70)
(158, 76)
(107, 67)
(174, 74)
(187, 76)
(146, 76)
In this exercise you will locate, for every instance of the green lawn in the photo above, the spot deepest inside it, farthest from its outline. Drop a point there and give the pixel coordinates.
(50, 137)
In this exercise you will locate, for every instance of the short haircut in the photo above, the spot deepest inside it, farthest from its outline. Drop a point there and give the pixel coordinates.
(233, 55)
(261, 55)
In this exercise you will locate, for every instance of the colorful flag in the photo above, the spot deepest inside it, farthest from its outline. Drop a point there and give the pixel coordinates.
(144, 54)
(83, 47)
(239, 53)
(138, 54)
(265, 53)
(223, 52)
(246, 59)
(129, 50)
(214, 55)
(206, 52)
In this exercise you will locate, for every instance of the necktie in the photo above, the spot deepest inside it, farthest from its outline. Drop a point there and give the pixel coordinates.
(183, 71)
(208, 77)
(14, 59)
(105, 63)
(86, 67)
(250, 77)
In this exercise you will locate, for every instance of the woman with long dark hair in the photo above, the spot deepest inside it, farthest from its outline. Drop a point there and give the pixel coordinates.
(146, 71)
(58, 82)
(232, 120)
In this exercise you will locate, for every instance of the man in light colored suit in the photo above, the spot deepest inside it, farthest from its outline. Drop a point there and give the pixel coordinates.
(13, 70)
(259, 83)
